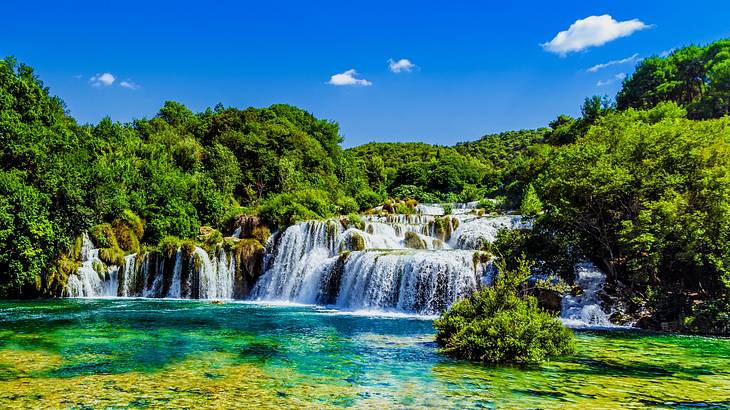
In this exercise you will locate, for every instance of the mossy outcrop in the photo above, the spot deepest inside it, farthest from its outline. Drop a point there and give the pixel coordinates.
(354, 242)
(413, 240)
(112, 256)
(249, 256)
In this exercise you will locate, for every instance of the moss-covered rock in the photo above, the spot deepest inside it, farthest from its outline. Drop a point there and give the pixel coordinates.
(442, 227)
(126, 237)
(168, 246)
(112, 256)
(248, 255)
(414, 241)
(102, 236)
(354, 242)
(188, 247)
(261, 233)
(481, 257)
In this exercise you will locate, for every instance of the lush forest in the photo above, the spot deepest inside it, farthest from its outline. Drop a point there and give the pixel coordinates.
(640, 186)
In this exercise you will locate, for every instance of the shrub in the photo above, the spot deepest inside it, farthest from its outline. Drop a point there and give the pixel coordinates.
(403, 208)
(448, 208)
(168, 246)
(498, 325)
(531, 204)
(102, 236)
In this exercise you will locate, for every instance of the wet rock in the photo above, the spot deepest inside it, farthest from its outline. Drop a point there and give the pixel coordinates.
(548, 299)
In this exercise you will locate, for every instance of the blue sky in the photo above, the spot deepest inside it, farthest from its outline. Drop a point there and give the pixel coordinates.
(477, 67)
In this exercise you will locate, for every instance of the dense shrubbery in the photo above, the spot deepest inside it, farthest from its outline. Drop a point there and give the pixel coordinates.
(500, 325)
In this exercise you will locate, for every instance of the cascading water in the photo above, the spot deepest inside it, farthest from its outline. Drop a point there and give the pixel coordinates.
(93, 278)
(417, 263)
(420, 263)
(198, 276)
(584, 309)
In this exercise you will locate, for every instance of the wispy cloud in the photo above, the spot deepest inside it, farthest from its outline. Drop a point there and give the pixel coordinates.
(615, 79)
(129, 85)
(348, 78)
(634, 58)
(666, 53)
(102, 80)
(592, 31)
(401, 65)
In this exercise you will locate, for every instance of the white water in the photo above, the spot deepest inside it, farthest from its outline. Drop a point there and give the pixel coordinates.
(308, 265)
(321, 262)
(584, 310)
(93, 278)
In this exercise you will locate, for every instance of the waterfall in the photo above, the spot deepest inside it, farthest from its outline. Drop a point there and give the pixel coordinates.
(93, 278)
(175, 285)
(419, 263)
(425, 282)
(585, 309)
(151, 278)
(475, 232)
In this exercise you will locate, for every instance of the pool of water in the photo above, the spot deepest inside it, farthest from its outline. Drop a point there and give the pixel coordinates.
(122, 353)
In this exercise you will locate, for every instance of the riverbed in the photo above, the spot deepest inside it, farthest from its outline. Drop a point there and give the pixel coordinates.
(147, 353)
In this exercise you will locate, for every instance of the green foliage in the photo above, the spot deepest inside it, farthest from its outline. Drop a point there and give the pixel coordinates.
(697, 78)
(354, 220)
(112, 256)
(498, 325)
(646, 197)
(286, 209)
(531, 204)
(102, 236)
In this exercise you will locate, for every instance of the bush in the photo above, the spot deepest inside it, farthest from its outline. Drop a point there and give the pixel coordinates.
(355, 221)
(403, 208)
(102, 236)
(498, 325)
(285, 209)
(531, 204)
(168, 246)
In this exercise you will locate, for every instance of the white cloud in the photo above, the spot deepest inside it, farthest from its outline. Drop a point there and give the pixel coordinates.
(666, 53)
(615, 79)
(590, 32)
(102, 80)
(634, 58)
(403, 64)
(348, 78)
(129, 84)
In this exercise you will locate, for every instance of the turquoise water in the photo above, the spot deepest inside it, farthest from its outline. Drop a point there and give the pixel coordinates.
(120, 353)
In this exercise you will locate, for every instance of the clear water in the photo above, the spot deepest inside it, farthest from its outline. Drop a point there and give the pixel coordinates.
(121, 353)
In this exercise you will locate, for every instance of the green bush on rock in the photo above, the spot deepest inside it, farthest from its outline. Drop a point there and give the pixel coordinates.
(498, 325)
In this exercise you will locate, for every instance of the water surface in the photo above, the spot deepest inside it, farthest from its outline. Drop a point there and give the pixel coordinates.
(120, 353)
